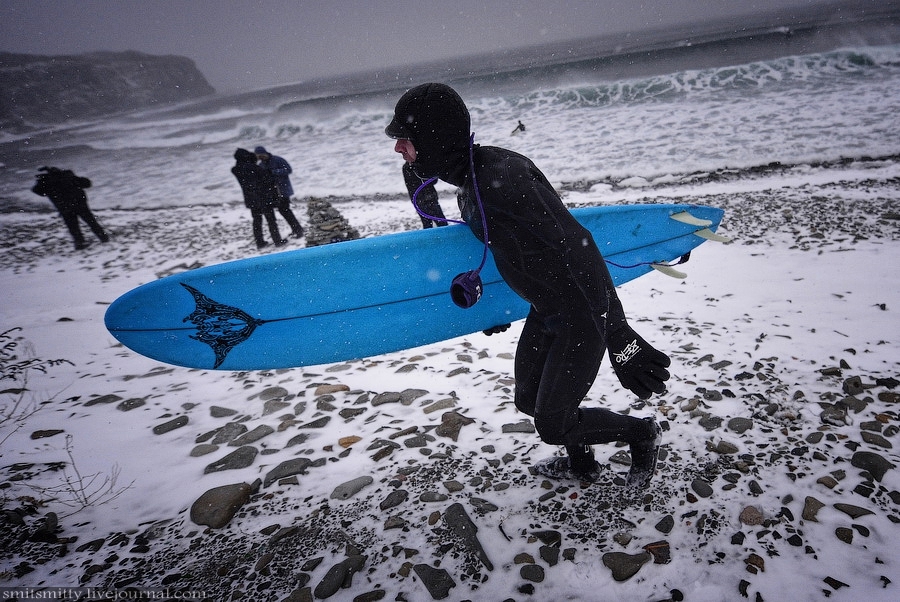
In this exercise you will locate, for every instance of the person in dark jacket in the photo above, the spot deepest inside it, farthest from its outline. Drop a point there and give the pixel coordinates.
(281, 171)
(259, 195)
(552, 262)
(66, 191)
(426, 204)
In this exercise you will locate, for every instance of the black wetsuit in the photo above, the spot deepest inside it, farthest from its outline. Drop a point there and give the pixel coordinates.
(551, 261)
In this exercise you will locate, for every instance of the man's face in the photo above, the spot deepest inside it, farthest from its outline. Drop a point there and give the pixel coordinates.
(406, 149)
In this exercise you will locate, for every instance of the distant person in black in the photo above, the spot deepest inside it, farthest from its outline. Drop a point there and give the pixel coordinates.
(259, 195)
(66, 192)
(519, 128)
(281, 171)
(426, 202)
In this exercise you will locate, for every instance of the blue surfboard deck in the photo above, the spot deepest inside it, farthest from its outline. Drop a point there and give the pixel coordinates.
(364, 297)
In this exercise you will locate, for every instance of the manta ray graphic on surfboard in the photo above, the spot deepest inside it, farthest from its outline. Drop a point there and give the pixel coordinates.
(371, 296)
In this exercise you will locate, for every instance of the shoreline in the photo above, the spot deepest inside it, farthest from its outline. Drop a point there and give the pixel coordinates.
(767, 334)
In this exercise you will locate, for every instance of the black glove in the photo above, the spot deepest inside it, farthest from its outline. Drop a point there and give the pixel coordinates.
(496, 329)
(639, 367)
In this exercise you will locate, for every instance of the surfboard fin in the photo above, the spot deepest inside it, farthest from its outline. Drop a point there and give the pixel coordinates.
(686, 218)
(668, 270)
(708, 234)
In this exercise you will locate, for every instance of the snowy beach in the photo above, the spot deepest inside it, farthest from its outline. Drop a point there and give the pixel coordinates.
(763, 480)
(407, 476)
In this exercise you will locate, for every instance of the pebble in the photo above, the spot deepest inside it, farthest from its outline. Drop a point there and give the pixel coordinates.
(347, 490)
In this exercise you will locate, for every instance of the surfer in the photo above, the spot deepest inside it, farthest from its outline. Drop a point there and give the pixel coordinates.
(519, 128)
(552, 262)
(256, 184)
(66, 192)
(426, 204)
(281, 172)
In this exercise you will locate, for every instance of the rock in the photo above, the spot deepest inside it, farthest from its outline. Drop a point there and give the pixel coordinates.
(666, 524)
(844, 534)
(220, 412)
(103, 399)
(451, 423)
(83, 87)
(876, 439)
(852, 511)
(751, 515)
(171, 425)
(242, 457)
(339, 576)
(394, 498)
(701, 488)
(217, 507)
(660, 551)
(462, 526)
(811, 507)
(532, 572)
(383, 398)
(203, 449)
(438, 582)
(46, 531)
(625, 566)
(523, 426)
(740, 425)
(853, 386)
(228, 433)
(263, 430)
(287, 468)
(871, 462)
(347, 490)
(130, 404)
(326, 224)
(43, 434)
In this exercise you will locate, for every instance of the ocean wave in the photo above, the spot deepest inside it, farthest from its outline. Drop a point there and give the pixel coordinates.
(814, 69)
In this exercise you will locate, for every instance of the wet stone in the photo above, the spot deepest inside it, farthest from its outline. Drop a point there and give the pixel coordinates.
(666, 524)
(131, 404)
(751, 515)
(171, 425)
(220, 412)
(871, 462)
(228, 433)
(625, 566)
(811, 507)
(702, 488)
(451, 423)
(740, 425)
(523, 426)
(532, 572)
(851, 510)
(876, 439)
(844, 534)
(347, 490)
(394, 498)
(242, 457)
(383, 398)
(438, 582)
(43, 434)
(263, 430)
(203, 449)
(102, 400)
(287, 468)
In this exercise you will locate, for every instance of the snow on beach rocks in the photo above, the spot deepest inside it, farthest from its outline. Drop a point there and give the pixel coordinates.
(406, 476)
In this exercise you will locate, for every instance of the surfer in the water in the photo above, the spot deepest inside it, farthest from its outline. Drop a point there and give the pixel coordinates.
(552, 262)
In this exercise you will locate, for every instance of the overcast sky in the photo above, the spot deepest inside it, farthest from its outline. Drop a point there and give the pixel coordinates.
(242, 44)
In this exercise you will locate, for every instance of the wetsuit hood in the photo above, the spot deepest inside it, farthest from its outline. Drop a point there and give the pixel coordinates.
(436, 120)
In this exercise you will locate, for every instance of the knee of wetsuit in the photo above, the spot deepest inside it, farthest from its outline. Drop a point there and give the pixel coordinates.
(551, 429)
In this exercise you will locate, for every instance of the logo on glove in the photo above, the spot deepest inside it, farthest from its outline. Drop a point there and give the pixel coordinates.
(631, 350)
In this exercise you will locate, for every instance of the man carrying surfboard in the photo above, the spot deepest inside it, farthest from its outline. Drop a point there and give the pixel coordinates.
(552, 262)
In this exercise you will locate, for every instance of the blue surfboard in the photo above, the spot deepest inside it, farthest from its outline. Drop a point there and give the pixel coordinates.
(366, 297)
